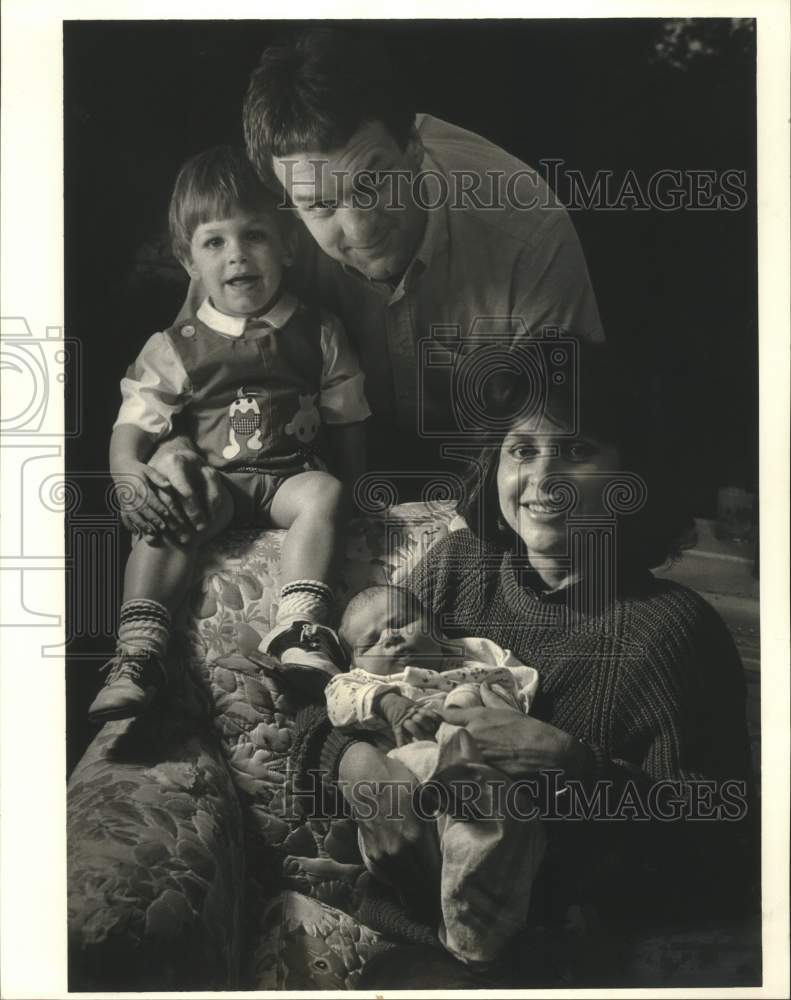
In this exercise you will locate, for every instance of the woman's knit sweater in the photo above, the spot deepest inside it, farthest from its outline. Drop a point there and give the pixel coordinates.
(653, 684)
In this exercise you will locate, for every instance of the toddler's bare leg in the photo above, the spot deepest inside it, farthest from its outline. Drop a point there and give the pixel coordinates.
(311, 506)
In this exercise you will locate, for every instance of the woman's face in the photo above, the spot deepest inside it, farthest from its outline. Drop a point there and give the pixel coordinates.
(532, 452)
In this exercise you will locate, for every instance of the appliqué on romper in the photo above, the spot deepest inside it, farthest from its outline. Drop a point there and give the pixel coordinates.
(304, 425)
(244, 416)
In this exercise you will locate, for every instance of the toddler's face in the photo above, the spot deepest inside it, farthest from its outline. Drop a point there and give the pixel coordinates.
(390, 633)
(239, 261)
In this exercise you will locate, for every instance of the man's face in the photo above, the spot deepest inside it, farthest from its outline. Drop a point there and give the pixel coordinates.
(353, 202)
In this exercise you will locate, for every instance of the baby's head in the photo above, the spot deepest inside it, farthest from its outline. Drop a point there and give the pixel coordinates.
(227, 230)
(385, 629)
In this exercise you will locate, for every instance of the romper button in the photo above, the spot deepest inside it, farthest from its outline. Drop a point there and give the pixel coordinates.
(188, 331)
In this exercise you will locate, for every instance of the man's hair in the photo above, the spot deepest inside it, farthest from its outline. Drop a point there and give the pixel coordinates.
(313, 92)
(213, 185)
(368, 596)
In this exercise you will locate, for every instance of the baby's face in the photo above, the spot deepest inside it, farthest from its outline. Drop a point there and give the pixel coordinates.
(239, 261)
(390, 633)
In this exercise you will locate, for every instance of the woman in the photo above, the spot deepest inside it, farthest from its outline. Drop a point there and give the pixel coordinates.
(641, 695)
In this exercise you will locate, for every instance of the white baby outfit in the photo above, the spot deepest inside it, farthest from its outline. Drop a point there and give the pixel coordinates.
(488, 865)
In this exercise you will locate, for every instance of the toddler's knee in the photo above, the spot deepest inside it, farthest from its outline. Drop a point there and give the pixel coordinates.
(327, 498)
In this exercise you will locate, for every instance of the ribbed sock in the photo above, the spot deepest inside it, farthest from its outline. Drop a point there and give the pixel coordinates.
(145, 626)
(304, 600)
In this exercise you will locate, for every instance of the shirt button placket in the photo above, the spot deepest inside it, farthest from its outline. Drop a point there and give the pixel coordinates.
(401, 342)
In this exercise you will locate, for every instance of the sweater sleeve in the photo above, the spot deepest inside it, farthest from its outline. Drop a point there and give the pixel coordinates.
(686, 704)
(689, 774)
(435, 579)
(316, 752)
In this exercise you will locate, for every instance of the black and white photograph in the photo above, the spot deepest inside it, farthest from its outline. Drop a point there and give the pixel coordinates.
(464, 681)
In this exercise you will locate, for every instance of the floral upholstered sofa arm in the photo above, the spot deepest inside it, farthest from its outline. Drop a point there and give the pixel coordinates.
(155, 856)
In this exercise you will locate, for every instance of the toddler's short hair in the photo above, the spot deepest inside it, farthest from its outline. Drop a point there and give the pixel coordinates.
(213, 185)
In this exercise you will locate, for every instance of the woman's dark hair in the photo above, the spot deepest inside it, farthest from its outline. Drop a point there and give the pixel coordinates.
(314, 92)
(595, 394)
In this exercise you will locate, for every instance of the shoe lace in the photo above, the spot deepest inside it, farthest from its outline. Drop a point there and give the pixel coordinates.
(129, 665)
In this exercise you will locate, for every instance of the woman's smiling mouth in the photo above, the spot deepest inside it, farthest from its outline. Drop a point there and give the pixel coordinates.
(541, 511)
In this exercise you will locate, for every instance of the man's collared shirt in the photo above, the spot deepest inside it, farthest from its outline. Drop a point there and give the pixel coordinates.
(523, 266)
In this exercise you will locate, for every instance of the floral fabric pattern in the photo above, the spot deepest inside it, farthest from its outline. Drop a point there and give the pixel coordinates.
(186, 844)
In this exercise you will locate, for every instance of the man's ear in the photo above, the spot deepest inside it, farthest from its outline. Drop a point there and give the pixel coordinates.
(415, 150)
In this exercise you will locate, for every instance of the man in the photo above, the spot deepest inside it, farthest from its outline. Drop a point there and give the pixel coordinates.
(435, 247)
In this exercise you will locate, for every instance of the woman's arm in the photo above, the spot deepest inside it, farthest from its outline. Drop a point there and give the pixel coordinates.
(338, 774)
(402, 847)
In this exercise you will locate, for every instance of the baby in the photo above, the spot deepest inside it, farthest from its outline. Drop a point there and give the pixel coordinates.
(262, 384)
(403, 672)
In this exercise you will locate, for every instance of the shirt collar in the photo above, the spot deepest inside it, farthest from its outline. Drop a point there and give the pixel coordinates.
(235, 326)
(435, 235)
(434, 239)
(578, 590)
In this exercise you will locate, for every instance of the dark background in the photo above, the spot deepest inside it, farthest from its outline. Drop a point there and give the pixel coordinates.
(677, 290)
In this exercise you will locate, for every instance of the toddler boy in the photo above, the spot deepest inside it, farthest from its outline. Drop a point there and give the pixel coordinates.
(259, 382)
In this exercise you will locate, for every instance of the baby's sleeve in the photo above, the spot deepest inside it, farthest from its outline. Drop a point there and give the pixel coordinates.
(342, 396)
(526, 681)
(350, 699)
(525, 678)
(155, 388)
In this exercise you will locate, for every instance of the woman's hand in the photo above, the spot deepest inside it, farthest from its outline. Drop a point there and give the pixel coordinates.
(520, 745)
(399, 845)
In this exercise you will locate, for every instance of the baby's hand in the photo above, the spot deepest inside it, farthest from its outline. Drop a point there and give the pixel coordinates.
(408, 720)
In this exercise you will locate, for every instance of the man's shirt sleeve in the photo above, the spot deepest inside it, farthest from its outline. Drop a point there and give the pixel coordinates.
(342, 397)
(552, 287)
